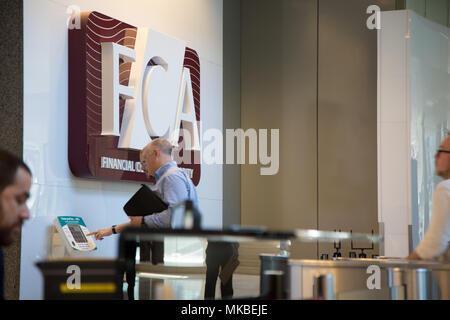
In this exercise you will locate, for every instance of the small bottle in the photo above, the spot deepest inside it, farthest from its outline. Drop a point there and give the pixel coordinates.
(188, 216)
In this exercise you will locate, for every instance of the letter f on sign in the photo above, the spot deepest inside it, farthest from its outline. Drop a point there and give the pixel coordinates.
(111, 87)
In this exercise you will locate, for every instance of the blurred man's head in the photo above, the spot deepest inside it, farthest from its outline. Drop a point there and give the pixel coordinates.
(155, 154)
(442, 159)
(15, 183)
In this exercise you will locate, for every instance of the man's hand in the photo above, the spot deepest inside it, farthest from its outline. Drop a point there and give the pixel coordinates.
(101, 233)
(106, 232)
(413, 256)
(135, 221)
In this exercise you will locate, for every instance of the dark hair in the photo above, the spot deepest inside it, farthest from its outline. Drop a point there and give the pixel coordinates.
(9, 164)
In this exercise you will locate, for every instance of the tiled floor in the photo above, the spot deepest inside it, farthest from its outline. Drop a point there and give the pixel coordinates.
(191, 287)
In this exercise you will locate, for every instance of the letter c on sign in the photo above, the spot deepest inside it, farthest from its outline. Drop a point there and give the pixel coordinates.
(154, 98)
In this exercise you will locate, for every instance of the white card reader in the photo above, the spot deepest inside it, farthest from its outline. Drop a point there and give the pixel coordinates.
(74, 232)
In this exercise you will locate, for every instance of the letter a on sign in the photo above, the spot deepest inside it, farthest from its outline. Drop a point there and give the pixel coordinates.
(186, 113)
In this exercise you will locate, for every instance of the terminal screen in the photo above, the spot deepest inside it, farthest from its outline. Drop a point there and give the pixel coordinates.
(77, 233)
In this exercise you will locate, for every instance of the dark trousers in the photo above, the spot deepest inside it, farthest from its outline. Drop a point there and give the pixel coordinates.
(217, 255)
(150, 251)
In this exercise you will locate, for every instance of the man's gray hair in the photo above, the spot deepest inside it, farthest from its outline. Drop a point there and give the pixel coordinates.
(163, 145)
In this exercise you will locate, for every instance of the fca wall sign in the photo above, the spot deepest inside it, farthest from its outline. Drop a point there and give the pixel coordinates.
(127, 86)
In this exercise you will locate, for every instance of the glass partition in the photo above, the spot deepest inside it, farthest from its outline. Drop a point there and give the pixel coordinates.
(237, 264)
(430, 112)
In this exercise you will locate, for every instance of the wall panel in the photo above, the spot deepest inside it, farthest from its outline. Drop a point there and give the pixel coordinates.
(11, 110)
(279, 51)
(231, 106)
(437, 11)
(55, 191)
(434, 10)
(347, 113)
(417, 5)
(310, 69)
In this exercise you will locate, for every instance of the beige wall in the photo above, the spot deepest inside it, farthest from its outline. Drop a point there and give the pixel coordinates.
(279, 58)
(309, 68)
(231, 106)
(347, 113)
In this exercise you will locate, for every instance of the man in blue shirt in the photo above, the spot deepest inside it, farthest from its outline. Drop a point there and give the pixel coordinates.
(15, 183)
(171, 184)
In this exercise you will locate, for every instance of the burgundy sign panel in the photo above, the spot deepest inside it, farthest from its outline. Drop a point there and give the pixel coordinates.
(87, 147)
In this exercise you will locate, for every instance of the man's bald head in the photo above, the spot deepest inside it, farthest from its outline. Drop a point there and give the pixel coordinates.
(155, 154)
(442, 159)
(163, 145)
(446, 142)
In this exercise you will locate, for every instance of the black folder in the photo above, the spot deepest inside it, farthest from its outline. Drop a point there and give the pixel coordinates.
(144, 202)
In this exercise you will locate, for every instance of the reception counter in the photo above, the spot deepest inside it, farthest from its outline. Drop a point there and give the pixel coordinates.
(264, 271)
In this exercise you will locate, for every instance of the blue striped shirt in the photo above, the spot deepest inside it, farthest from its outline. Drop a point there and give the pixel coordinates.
(172, 186)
